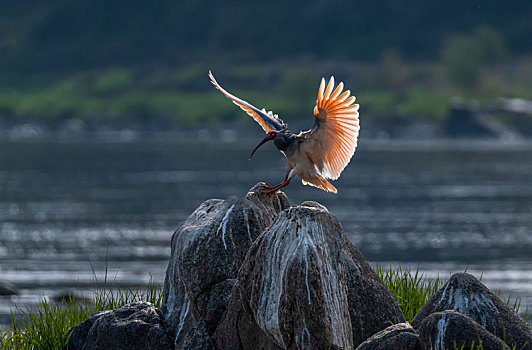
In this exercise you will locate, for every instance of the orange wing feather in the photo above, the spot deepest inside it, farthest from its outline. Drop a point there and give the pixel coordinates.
(333, 142)
(267, 120)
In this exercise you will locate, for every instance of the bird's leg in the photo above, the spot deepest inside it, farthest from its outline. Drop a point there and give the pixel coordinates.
(272, 190)
(286, 181)
(278, 187)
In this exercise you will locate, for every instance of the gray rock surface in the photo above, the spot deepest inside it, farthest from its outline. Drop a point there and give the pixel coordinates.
(195, 336)
(399, 336)
(444, 330)
(207, 251)
(270, 206)
(77, 335)
(134, 326)
(239, 330)
(304, 285)
(467, 295)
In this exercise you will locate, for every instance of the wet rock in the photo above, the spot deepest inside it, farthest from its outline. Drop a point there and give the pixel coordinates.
(77, 335)
(134, 326)
(270, 206)
(239, 330)
(313, 204)
(452, 330)
(195, 336)
(8, 289)
(304, 285)
(207, 251)
(467, 295)
(400, 336)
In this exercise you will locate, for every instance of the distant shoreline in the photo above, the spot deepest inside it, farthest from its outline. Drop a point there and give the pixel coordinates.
(124, 130)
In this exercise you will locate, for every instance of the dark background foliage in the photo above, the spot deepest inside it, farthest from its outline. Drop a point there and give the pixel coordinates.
(70, 35)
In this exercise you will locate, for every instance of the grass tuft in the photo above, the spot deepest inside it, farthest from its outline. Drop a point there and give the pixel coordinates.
(410, 288)
(45, 326)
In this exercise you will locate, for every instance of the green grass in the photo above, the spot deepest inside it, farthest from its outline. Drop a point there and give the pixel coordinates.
(410, 288)
(479, 346)
(45, 327)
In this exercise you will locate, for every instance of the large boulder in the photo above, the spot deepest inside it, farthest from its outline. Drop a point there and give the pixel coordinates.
(399, 336)
(134, 326)
(207, 251)
(467, 295)
(304, 285)
(454, 330)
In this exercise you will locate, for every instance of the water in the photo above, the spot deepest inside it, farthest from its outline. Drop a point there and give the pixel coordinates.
(75, 215)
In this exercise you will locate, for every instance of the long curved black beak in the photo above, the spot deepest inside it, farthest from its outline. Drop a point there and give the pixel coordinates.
(266, 139)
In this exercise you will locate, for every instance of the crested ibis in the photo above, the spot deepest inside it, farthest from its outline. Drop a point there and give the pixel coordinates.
(320, 153)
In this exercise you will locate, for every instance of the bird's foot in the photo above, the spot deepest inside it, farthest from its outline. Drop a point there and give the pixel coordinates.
(267, 187)
(270, 192)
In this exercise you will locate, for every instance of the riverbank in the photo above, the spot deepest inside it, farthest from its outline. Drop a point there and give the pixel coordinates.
(391, 91)
(462, 122)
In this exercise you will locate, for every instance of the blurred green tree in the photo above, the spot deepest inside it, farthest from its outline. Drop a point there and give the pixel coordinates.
(464, 56)
(394, 73)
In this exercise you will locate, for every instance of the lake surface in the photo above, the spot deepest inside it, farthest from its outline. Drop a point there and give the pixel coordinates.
(74, 214)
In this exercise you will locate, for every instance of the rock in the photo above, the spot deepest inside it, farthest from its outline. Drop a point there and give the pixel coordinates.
(77, 335)
(8, 289)
(468, 121)
(195, 336)
(239, 330)
(467, 295)
(270, 206)
(207, 251)
(400, 336)
(70, 297)
(454, 330)
(304, 285)
(134, 326)
(313, 204)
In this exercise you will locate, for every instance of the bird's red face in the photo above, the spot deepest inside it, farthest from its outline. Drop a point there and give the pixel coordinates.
(271, 135)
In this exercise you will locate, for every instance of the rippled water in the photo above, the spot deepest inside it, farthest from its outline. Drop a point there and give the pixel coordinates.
(74, 214)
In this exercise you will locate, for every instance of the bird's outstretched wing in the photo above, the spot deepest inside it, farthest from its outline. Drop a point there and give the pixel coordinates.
(267, 120)
(333, 140)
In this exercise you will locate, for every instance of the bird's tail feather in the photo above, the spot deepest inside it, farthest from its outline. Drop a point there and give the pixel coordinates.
(320, 182)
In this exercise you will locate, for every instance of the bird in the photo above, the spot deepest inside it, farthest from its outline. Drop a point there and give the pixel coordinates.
(320, 153)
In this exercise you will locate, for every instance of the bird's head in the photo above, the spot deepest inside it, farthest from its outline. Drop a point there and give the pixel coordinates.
(269, 136)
